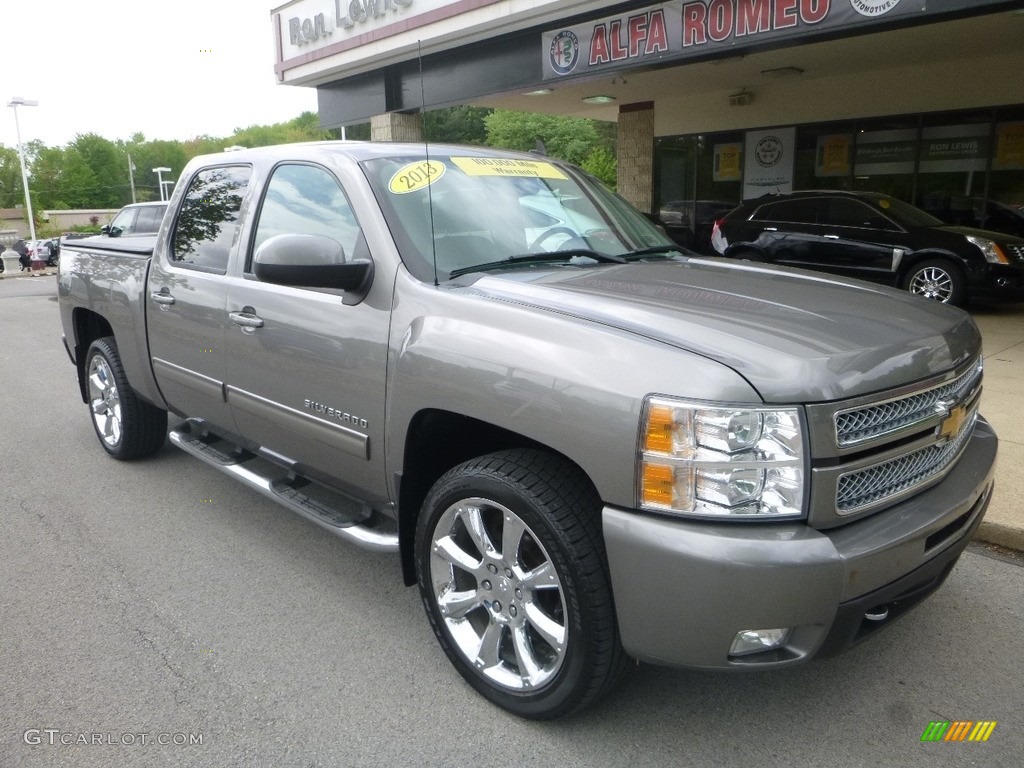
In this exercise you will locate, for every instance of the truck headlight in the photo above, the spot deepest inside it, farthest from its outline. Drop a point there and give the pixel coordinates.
(721, 461)
(993, 253)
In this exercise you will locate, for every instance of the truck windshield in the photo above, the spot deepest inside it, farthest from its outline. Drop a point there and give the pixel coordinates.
(457, 212)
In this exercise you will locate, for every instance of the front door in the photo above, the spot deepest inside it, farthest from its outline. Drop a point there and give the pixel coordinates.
(306, 371)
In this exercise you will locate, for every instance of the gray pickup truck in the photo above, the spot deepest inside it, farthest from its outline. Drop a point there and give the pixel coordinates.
(584, 444)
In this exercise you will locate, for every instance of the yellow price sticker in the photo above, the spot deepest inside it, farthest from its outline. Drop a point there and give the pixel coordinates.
(415, 176)
(501, 166)
(883, 203)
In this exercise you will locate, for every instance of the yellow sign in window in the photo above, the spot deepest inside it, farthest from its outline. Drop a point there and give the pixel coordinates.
(500, 166)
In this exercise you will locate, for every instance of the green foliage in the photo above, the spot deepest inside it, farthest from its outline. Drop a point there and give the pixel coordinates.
(567, 138)
(456, 125)
(111, 175)
(601, 163)
(11, 194)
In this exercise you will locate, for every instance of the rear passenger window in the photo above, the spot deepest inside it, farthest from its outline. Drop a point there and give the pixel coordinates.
(853, 213)
(207, 224)
(307, 200)
(149, 219)
(789, 212)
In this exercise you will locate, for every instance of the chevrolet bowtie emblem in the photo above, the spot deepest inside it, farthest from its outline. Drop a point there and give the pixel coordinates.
(950, 426)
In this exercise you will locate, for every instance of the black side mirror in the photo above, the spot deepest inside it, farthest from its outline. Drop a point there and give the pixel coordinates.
(312, 261)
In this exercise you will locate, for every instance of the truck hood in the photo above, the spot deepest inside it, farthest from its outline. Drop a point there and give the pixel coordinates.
(795, 336)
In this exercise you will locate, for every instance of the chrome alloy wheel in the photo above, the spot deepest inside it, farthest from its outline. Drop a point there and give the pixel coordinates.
(498, 594)
(932, 283)
(104, 401)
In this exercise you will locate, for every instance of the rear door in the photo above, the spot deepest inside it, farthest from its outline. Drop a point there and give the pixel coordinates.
(306, 370)
(860, 241)
(187, 294)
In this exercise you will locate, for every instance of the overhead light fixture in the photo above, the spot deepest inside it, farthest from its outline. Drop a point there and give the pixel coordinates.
(539, 92)
(601, 99)
(782, 72)
(741, 99)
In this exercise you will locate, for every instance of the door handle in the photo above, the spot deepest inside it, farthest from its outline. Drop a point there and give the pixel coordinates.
(831, 237)
(246, 319)
(771, 229)
(162, 298)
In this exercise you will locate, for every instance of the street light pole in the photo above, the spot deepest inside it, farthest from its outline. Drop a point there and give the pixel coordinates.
(160, 178)
(14, 103)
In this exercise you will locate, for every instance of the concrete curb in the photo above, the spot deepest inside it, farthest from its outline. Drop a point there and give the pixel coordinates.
(1002, 535)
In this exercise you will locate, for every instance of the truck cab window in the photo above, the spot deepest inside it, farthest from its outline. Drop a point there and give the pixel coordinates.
(306, 200)
(208, 222)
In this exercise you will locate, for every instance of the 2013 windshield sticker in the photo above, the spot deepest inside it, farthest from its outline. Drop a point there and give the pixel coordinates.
(415, 176)
(500, 166)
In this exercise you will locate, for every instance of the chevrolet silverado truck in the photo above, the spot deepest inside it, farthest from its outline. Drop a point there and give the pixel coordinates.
(582, 443)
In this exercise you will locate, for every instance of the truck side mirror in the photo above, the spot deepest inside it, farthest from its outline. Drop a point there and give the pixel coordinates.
(311, 261)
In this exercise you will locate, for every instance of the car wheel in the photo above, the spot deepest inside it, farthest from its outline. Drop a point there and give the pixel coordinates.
(939, 280)
(128, 427)
(512, 572)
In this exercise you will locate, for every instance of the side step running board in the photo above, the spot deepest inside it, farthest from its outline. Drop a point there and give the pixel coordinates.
(341, 515)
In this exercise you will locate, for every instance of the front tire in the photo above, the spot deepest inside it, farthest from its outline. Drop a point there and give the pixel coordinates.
(938, 280)
(512, 572)
(127, 427)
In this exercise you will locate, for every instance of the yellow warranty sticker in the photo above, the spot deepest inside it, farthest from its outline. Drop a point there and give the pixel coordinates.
(415, 176)
(501, 166)
(883, 203)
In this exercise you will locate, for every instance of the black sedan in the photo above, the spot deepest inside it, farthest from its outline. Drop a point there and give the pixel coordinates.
(875, 237)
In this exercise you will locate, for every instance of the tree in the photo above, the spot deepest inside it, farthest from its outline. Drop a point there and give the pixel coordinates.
(11, 193)
(101, 155)
(457, 125)
(567, 138)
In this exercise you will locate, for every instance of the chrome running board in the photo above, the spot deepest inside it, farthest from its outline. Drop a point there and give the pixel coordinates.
(342, 515)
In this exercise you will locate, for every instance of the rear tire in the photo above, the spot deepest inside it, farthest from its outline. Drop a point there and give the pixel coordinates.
(513, 575)
(939, 280)
(127, 427)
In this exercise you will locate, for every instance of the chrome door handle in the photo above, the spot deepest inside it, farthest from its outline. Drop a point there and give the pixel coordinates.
(162, 298)
(771, 229)
(246, 319)
(831, 237)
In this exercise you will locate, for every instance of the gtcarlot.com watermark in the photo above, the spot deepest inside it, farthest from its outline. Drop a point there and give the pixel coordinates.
(55, 737)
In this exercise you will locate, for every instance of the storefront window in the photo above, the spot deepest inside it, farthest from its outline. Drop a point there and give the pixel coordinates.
(884, 156)
(824, 157)
(954, 155)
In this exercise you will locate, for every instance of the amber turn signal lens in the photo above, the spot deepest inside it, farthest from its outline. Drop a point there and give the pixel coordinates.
(660, 423)
(658, 480)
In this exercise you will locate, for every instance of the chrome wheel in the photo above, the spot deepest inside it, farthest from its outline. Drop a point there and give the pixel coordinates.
(932, 283)
(104, 401)
(498, 594)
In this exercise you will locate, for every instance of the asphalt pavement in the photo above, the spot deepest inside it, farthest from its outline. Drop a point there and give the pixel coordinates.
(155, 613)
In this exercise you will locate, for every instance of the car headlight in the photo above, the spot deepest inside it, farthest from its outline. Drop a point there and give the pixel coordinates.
(991, 250)
(721, 461)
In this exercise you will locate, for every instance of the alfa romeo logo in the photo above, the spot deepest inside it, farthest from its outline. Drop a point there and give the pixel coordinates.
(564, 52)
(873, 7)
(768, 152)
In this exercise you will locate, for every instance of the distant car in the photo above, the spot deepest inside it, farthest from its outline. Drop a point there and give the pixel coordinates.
(875, 237)
(136, 219)
(48, 248)
(690, 222)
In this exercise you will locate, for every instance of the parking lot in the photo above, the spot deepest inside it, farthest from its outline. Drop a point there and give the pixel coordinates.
(156, 613)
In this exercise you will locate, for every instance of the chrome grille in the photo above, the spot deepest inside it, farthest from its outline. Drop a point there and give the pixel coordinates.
(1016, 251)
(881, 482)
(880, 419)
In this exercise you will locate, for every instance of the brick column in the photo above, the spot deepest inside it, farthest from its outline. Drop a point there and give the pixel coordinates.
(396, 126)
(634, 149)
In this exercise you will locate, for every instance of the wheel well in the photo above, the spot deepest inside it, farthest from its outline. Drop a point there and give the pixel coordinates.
(437, 441)
(917, 257)
(88, 327)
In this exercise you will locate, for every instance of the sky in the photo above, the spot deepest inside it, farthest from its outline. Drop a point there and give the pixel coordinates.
(170, 69)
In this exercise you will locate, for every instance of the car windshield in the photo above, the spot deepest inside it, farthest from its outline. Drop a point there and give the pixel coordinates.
(461, 211)
(905, 214)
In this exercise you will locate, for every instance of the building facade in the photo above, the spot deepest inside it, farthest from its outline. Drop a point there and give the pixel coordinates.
(715, 100)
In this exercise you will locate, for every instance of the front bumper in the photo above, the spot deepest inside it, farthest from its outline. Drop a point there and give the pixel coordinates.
(684, 589)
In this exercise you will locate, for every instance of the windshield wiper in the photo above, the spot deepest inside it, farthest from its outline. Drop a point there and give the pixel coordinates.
(655, 251)
(538, 258)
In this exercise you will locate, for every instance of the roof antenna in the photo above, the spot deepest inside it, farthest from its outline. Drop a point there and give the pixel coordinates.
(426, 153)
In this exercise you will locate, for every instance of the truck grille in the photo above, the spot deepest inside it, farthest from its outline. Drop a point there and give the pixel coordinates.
(889, 479)
(881, 419)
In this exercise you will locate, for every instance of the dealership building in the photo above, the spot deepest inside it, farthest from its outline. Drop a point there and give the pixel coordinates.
(715, 100)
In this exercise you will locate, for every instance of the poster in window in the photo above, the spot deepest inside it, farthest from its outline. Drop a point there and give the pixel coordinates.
(833, 156)
(1009, 154)
(727, 162)
(768, 162)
